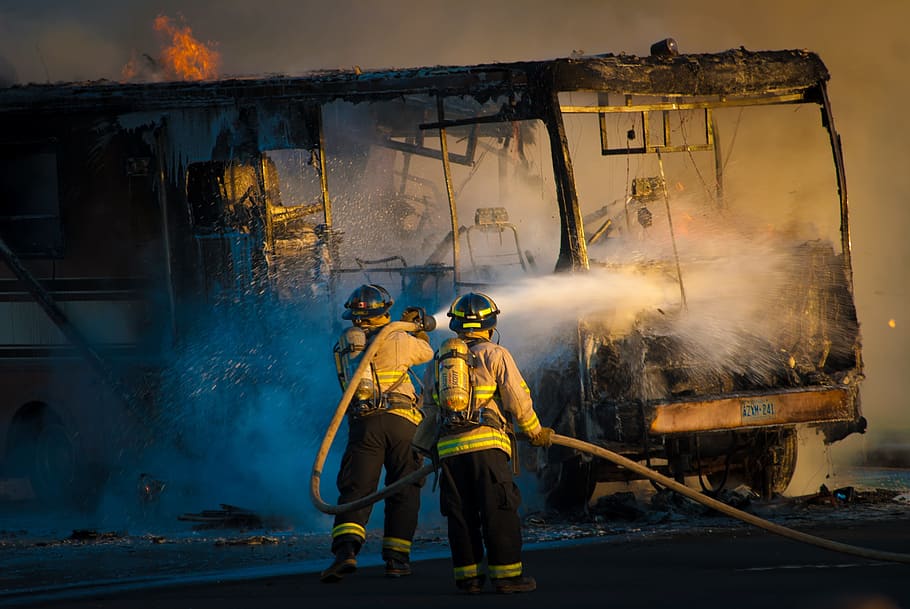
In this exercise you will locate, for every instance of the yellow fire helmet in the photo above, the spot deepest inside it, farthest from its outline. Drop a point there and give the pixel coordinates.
(473, 311)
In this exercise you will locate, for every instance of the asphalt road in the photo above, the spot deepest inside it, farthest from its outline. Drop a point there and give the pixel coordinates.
(742, 569)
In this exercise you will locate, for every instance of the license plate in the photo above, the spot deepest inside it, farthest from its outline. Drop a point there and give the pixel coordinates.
(757, 410)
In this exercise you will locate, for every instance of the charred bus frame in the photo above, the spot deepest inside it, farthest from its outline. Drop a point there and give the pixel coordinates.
(80, 251)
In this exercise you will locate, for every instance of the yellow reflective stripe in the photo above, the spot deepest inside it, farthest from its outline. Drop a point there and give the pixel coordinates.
(524, 386)
(390, 375)
(349, 528)
(396, 544)
(411, 414)
(467, 571)
(484, 392)
(530, 424)
(481, 313)
(500, 571)
(471, 324)
(481, 438)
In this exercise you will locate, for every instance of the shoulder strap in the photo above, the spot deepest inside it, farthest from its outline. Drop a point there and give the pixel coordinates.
(370, 336)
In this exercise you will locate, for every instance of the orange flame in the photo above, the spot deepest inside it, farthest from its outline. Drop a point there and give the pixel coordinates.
(186, 58)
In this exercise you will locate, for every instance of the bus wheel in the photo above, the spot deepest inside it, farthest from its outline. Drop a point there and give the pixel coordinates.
(767, 467)
(772, 469)
(41, 449)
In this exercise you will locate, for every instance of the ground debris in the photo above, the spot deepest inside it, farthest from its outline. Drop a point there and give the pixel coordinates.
(878, 495)
(551, 526)
(232, 517)
(93, 535)
(664, 506)
(624, 512)
(672, 503)
(254, 540)
(847, 495)
(619, 506)
(740, 497)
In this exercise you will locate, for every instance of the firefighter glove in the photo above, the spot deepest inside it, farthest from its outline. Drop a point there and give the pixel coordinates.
(543, 438)
(412, 314)
(418, 315)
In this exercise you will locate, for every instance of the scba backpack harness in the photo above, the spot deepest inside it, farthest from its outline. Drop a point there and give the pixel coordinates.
(456, 387)
(455, 382)
(368, 397)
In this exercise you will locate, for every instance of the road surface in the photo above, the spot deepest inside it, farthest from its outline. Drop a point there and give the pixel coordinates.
(728, 567)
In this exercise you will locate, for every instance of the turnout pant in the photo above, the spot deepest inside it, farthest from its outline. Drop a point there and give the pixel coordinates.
(480, 500)
(376, 441)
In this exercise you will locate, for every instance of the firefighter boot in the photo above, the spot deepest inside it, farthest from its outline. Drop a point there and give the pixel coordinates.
(397, 567)
(511, 585)
(471, 585)
(345, 562)
(397, 564)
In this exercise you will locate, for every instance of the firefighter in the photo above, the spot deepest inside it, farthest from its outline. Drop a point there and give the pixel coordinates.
(382, 418)
(473, 391)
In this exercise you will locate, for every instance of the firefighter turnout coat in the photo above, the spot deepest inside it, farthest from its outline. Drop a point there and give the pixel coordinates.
(382, 438)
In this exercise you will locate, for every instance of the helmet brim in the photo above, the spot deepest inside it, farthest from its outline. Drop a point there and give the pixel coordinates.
(350, 314)
(458, 324)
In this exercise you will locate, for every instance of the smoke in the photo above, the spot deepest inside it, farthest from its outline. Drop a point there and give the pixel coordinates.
(238, 422)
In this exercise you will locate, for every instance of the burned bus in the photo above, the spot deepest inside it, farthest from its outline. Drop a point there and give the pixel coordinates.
(667, 236)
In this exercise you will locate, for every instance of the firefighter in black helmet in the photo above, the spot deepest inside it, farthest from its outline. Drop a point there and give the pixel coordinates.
(382, 418)
(470, 429)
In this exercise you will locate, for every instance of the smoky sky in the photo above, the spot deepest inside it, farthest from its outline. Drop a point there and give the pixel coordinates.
(863, 46)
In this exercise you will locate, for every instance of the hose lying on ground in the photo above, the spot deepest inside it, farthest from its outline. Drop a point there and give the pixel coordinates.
(568, 442)
(729, 510)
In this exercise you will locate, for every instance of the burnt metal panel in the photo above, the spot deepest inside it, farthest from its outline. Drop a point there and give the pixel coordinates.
(733, 72)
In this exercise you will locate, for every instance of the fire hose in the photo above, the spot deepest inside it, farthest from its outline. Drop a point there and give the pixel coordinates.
(568, 442)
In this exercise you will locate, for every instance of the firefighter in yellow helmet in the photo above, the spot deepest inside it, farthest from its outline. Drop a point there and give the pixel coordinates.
(382, 418)
(468, 426)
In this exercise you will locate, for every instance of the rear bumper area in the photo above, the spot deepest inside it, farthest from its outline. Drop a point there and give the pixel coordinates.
(809, 405)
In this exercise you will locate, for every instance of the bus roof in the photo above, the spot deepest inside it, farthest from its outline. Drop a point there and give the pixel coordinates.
(736, 72)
